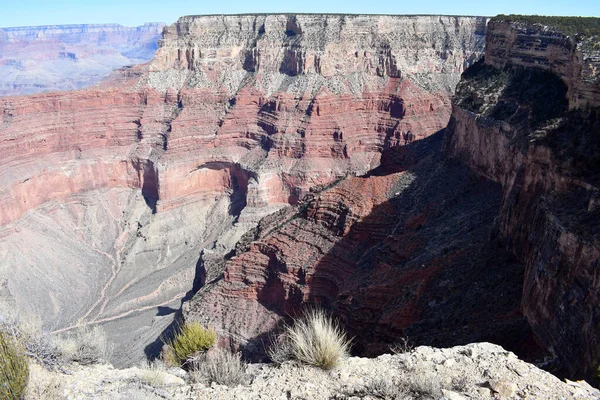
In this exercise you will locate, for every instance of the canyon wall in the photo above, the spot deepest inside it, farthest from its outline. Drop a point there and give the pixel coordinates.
(35, 59)
(539, 46)
(526, 118)
(115, 199)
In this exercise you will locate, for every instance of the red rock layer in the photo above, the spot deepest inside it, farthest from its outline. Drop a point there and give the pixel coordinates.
(390, 254)
(164, 140)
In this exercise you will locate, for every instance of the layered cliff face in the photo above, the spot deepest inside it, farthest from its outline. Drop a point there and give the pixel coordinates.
(527, 118)
(115, 199)
(35, 59)
(404, 251)
(576, 62)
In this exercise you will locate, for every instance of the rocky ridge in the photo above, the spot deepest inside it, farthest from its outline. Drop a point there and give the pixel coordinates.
(475, 371)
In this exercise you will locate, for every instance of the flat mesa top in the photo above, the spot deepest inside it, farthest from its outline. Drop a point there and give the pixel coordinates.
(332, 14)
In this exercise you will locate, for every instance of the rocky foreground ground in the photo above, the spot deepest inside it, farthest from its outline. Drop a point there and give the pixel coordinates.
(474, 371)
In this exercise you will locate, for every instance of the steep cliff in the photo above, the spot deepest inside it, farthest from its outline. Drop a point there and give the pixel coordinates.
(528, 118)
(114, 198)
(35, 59)
(404, 251)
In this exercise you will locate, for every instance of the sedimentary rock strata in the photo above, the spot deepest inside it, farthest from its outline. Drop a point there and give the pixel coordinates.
(125, 191)
(403, 251)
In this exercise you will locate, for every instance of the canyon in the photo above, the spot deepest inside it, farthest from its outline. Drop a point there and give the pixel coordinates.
(35, 59)
(260, 164)
(116, 197)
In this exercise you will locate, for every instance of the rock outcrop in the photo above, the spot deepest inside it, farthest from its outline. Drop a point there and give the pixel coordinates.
(576, 62)
(475, 371)
(115, 198)
(35, 59)
(527, 118)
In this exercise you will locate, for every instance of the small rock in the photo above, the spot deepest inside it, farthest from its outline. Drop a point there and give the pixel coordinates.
(449, 362)
(484, 392)
(504, 388)
(450, 395)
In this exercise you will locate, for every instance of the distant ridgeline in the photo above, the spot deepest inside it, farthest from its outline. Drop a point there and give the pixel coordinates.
(36, 59)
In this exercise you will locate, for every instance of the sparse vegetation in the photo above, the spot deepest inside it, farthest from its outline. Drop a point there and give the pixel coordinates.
(153, 374)
(86, 345)
(279, 349)
(14, 372)
(27, 331)
(221, 367)
(401, 346)
(583, 26)
(191, 338)
(314, 339)
(527, 98)
(48, 390)
(421, 385)
(382, 388)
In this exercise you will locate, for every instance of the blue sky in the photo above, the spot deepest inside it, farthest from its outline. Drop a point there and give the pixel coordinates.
(136, 12)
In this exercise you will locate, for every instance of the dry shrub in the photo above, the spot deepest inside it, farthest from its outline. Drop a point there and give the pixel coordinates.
(153, 374)
(423, 385)
(314, 339)
(402, 346)
(14, 372)
(220, 366)
(191, 338)
(384, 389)
(168, 357)
(279, 349)
(28, 331)
(85, 345)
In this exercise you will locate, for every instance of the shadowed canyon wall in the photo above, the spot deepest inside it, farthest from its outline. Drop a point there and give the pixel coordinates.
(528, 119)
(117, 198)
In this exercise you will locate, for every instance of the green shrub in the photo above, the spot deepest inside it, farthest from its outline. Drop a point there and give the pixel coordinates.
(316, 339)
(190, 339)
(13, 369)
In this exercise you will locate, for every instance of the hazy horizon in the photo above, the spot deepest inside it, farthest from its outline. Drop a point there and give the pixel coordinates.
(137, 12)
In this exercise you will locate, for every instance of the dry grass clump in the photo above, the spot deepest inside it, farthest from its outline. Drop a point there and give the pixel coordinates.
(314, 339)
(220, 366)
(85, 345)
(423, 386)
(190, 339)
(384, 389)
(14, 372)
(153, 374)
(48, 390)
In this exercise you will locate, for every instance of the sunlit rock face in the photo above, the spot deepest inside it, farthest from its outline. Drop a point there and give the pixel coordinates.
(113, 198)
